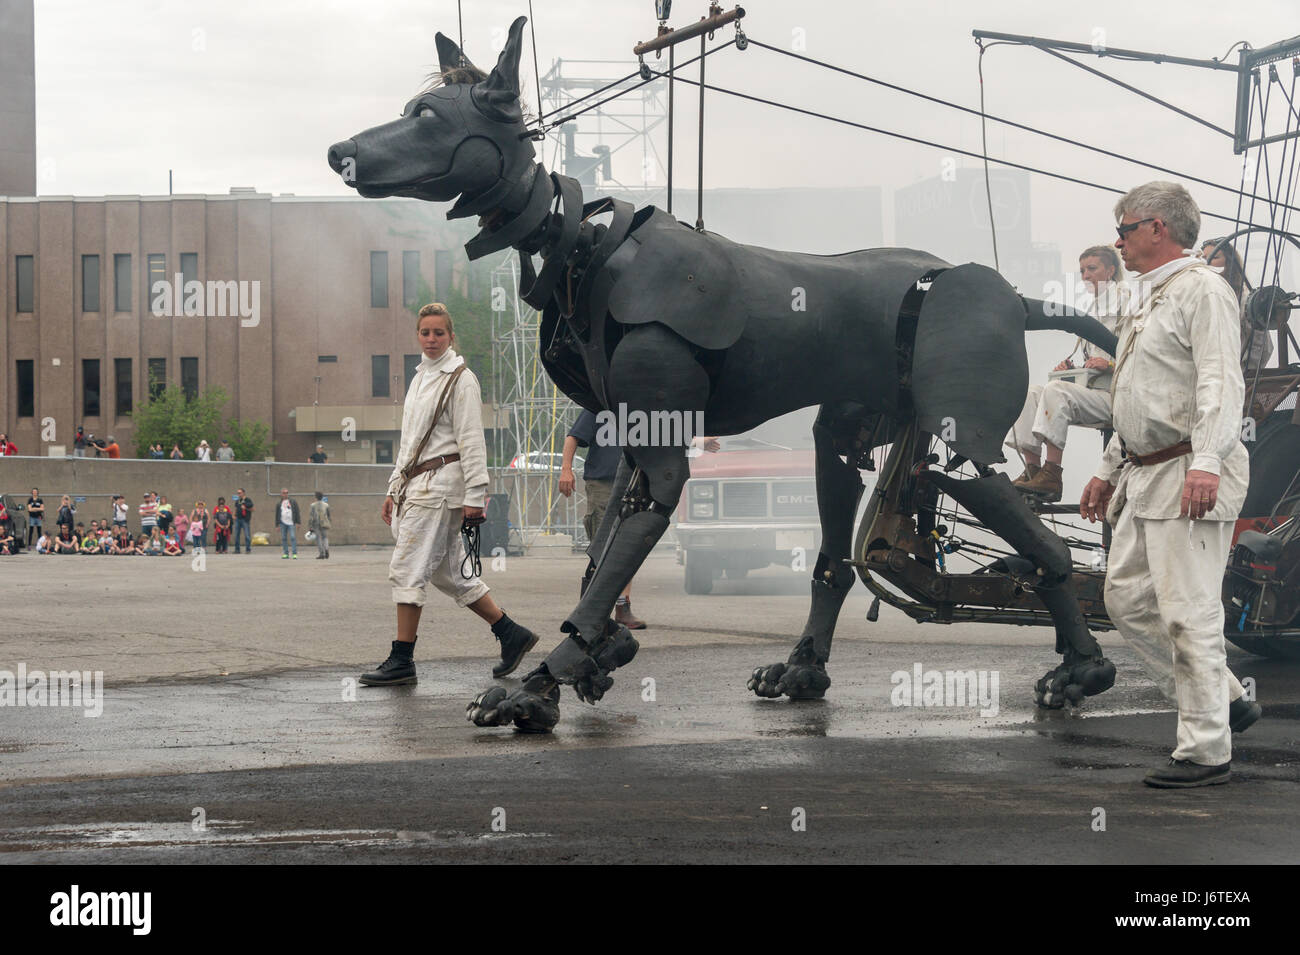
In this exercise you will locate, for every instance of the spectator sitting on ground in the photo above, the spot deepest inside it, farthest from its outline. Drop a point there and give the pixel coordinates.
(6, 541)
(225, 452)
(177, 453)
(155, 544)
(65, 543)
(44, 545)
(171, 547)
(142, 546)
(90, 543)
(121, 544)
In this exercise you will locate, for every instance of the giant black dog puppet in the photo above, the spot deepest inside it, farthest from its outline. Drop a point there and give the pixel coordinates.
(645, 312)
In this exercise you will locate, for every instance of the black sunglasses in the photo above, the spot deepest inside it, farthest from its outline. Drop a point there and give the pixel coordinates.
(1124, 230)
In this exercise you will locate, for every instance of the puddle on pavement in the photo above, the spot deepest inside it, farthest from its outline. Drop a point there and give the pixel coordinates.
(234, 833)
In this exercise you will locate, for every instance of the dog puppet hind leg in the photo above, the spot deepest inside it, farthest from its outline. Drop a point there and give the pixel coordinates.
(803, 676)
(651, 369)
(1084, 670)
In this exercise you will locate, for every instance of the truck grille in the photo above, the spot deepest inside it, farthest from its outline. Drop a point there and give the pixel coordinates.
(775, 499)
(744, 499)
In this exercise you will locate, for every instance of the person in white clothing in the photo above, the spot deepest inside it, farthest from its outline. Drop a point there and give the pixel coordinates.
(1174, 477)
(1050, 410)
(439, 482)
(203, 452)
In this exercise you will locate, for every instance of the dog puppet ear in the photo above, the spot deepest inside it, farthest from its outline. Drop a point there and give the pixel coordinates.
(504, 78)
(450, 56)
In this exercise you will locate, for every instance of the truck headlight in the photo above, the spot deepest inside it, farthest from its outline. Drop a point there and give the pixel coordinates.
(704, 491)
(703, 509)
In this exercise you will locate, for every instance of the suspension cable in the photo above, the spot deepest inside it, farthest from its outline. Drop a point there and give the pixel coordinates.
(997, 119)
(924, 142)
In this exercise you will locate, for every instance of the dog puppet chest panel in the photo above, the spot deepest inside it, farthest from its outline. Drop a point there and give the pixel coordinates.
(685, 280)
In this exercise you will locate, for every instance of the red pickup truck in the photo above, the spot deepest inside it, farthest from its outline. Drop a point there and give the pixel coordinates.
(751, 504)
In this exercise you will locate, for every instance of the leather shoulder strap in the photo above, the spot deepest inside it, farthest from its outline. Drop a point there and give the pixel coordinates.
(443, 400)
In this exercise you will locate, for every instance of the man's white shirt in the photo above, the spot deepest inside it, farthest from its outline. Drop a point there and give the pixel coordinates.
(1178, 378)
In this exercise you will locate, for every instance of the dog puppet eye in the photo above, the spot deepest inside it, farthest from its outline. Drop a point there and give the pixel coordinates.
(424, 111)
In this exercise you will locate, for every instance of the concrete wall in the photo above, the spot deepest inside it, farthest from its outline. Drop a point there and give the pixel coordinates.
(355, 491)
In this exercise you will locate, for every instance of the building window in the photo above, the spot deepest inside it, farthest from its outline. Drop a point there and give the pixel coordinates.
(442, 274)
(90, 387)
(383, 451)
(327, 359)
(189, 268)
(122, 283)
(379, 376)
(190, 378)
(379, 280)
(124, 389)
(410, 365)
(90, 283)
(26, 283)
(410, 279)
(157, 266)
(157, 377)
(26, 375)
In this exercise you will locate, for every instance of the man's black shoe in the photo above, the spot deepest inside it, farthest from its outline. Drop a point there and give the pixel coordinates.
(397, 670)
(1184, 774)
(1243, 714)
(515, 643)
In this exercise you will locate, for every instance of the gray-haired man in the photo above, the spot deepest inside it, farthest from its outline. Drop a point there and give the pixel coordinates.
(1174, 478)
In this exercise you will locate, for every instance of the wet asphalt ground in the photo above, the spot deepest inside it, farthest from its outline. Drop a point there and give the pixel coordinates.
(291, 762)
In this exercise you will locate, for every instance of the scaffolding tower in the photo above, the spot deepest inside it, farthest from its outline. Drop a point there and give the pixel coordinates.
(533, 415)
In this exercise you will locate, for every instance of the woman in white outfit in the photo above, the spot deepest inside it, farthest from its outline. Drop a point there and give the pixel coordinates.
(439, 481)
(1051, 409)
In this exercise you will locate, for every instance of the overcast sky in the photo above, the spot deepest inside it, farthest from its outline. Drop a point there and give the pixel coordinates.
(252, 92)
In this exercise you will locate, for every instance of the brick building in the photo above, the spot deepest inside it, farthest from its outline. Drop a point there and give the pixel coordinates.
(299, 308)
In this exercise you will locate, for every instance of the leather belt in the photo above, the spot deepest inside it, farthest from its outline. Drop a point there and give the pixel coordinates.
(430, 465)
(1158, 457)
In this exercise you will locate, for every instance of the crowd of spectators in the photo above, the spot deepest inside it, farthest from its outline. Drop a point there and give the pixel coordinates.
(164, 529)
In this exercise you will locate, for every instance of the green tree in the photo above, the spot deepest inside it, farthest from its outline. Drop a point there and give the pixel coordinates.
(251, 440)
(173, 418)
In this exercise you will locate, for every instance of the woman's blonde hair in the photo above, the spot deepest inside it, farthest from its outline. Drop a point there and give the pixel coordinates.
(436, 308)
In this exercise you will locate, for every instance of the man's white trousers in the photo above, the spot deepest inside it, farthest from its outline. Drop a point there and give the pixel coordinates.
(1163, 583)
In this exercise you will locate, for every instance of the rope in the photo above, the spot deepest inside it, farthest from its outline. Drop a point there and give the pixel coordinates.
(469, 532)
(997, 119)
(1133, 89)
(924, 142)
(532, 26)
(984, 141)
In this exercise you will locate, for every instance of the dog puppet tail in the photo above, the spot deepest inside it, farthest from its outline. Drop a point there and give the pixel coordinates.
(1041, 316)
